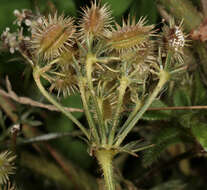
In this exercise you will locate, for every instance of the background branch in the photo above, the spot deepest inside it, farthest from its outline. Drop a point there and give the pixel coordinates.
(24, 100)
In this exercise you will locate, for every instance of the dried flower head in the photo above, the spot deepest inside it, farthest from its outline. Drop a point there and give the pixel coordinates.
(6, 166)
(174, 39)
(51, 36)
(65, 82)
(130, 36)
(9, 186)
(95, 21)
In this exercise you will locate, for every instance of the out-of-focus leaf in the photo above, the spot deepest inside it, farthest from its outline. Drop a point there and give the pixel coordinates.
(74, 102)
(118, 7)
(34, 123)
(186, 119)
(181, 98)
(200, 133)
(7, 8)
(170, 185)
(50, 136)
(157, 115)
(45, 168)
(67, 6)
(145, 8)
(162, 140)
(200, 93)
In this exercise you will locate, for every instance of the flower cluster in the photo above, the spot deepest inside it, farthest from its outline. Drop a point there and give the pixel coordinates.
(113, 66)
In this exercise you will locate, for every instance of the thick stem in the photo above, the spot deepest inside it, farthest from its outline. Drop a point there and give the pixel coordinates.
(164, 77)
(105, 158)
(36, 75)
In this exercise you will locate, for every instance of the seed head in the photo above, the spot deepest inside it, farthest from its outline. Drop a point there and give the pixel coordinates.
(51, 36)
(6, 166)
(66, 82)
(174, 39)
(95, 21)
(129, 36)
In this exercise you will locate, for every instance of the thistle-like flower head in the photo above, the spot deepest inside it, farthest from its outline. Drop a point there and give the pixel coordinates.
(130, 36)
(174, 39)
(6, 166)
(95, 21)
(51, 36)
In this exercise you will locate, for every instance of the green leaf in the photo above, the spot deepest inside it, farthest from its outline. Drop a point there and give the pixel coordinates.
(170, 185)
(200, 133)
(74, 102)
(118, 7)
(161, 141)
(186, 119)
(157, 115)
(67, 6)
(181, 98)
(145, 8)
(200, 92)
(7, 8)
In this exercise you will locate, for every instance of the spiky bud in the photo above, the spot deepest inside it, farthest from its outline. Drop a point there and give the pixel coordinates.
(66, 82)
(174, 40)
(95, 21)
(6, 166)
(51, 36)
(129, 36)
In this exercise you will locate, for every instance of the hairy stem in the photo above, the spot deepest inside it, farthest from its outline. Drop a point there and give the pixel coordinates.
(122, 89)
(87, 112)
(164, 77)
(36, 75)
(105, 158)
(130, 117)
(90, 60)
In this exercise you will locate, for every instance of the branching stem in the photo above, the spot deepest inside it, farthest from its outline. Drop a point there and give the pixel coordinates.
(90, 60)
(36, 75)
(164, 77)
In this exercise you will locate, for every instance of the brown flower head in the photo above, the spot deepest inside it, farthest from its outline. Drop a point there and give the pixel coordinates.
(174, 39)
(51, 36)
(6, 166)
(130, 36)
(66, 82)
(95, 21)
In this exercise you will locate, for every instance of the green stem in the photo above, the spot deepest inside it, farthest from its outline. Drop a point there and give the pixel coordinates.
(86, 110)
(36, 75)
(90, 60)
(164, 77)
(105, 158)
(131, 116)
(122, 88)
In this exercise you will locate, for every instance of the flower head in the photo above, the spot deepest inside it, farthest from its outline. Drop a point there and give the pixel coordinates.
(130, 36)
(51, 36)
(6, 166)
(174, 39)
(95, 20)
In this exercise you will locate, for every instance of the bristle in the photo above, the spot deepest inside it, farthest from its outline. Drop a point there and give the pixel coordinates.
(129, 36)
(95, 21)
(53, 36)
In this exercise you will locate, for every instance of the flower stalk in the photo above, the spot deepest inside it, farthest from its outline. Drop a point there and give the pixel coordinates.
(105, 158)
(164, 77)
(36, 75)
